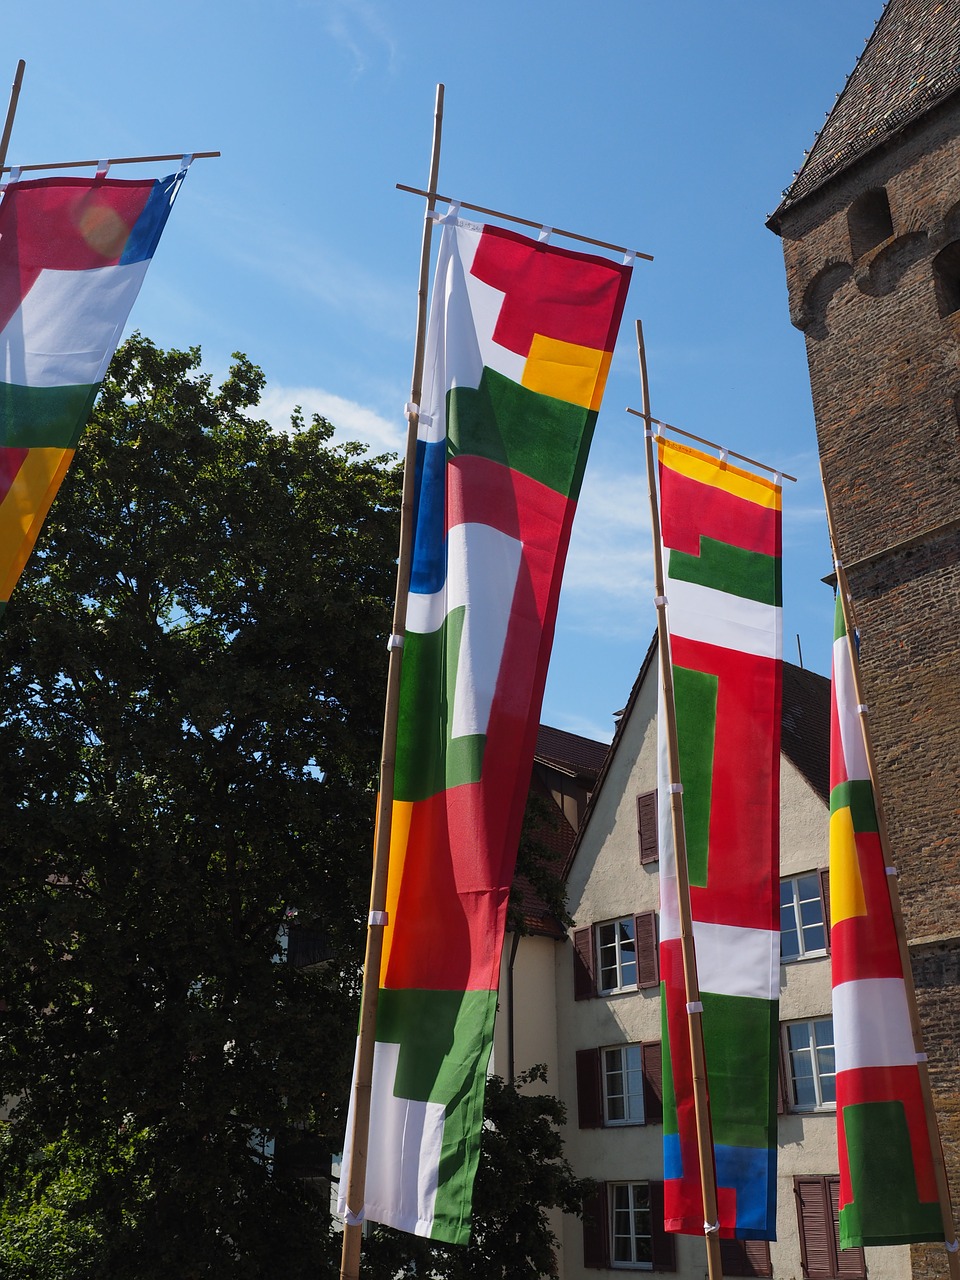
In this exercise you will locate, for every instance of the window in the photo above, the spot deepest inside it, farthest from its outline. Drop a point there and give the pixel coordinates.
(619, 1085)
(623, 1085)
(946, 278)
(811, 1069)
(647, 827)
(804, 911)
(869, 221)
(818, 1214)
(623, 1228)
(619, 955)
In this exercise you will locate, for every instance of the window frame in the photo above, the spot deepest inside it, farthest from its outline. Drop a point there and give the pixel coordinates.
(822, 876)
(820, 1104)
(633, 1263)
(632, 1098)
(618, 923)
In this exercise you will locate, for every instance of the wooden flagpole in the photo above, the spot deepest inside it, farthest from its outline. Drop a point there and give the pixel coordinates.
(90, 164)
(11, 113)
(933, 1128)
(711, 444)
(708, 1177)
(350, 1256)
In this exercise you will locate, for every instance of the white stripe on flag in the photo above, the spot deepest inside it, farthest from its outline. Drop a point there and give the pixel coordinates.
(716, 617)
(482, 568)
(848, 718)
(733, 961)
(403, 1160)
(38, 344)
(871, 1024)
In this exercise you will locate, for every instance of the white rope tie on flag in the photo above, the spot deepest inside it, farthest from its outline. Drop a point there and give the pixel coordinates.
(102, 167)
(862, 708)
(378, 917)
(545, 234)
(922, 1057)
(660, 601)
(451, 216)
(952, 1245)
(395, 642)
(676, 788)
(724, 454)
(778, 479)
(711, 1228)
(14, 177)
(185, 162)
(629, 257)
(353, 1219)
(891, 871)
(411, 410)
(695, 1006)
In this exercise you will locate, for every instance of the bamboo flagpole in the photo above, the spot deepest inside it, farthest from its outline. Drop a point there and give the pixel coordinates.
(708, 1178)
(350, 1256)
(930, 1114)
(11, 113)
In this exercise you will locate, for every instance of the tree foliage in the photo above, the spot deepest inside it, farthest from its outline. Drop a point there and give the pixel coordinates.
(191, 676)
(191, 692)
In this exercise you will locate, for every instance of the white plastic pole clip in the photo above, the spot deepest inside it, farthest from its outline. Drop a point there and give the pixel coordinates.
(675, 788)
(545, 234)
(353, 1219)
(411, 410)
(378, 917)
(629, 257)
(102, 167)
(395, 642)
(660, 601)
(694, 1006)
(711, 1228)
(891, 871)
(952, 1245)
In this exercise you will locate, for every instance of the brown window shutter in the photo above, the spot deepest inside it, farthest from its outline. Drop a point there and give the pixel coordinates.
(850, 1262)
(745, 1257)
(648, 959)
(651, 1057)
(596, 1245)
(647, 826)
(815, 1220)
(783, 1093)
(664, 1242)
(589, 1098)
(584, 981)
(825, 900)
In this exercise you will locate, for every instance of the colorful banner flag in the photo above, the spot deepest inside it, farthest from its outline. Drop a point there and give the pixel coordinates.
(720, 528)
(73, 254)
(519, 343)
(888, 1192)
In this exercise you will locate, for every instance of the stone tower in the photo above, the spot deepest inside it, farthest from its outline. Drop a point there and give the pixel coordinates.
(871, 240)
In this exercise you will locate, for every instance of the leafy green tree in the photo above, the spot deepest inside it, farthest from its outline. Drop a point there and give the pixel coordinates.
(191, 685)
(521, 1175)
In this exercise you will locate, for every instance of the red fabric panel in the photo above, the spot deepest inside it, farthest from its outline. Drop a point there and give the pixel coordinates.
(691, 510)
(573, 297)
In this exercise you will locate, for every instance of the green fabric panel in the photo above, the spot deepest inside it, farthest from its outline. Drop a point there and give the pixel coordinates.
(670, 1124)
(428, 759)
(740, 1036)
(749, 574)
(695, 698)
(445, 1061)
(528, 432)
(885, 1207)
(839, 625)
(44, 417)
(857, 796)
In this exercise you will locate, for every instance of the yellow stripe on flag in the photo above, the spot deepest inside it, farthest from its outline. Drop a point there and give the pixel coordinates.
(721, 475)
(399, 839)
(846, 884)
(25, 508)
(566, 372)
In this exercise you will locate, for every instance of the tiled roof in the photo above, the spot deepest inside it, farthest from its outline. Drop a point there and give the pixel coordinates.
(569, 751)
(910, 63)
(805, 726)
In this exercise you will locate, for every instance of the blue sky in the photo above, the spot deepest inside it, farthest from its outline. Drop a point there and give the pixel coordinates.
(671, 126)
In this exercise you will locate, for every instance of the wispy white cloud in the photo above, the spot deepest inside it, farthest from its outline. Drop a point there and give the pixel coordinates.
(361, 29)
(608, 582)
(353, 421)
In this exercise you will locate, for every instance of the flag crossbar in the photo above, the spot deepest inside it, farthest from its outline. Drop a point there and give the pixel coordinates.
(523, 222)
(711, 444)
(92, 164)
